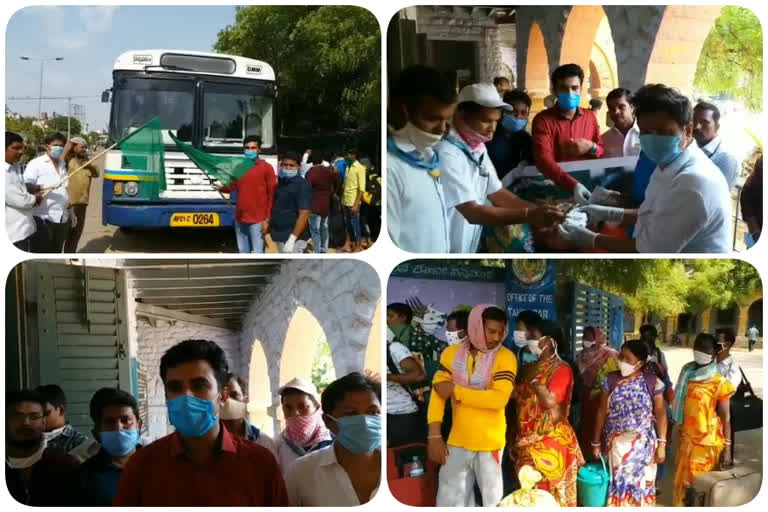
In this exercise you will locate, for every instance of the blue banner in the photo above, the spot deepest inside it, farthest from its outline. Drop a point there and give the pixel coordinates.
(530, 285)
(448, 271)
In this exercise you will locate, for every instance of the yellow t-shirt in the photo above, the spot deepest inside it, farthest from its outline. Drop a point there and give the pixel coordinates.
(354, 182)
(479, 423)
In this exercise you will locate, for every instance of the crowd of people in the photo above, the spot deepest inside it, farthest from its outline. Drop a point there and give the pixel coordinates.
(332, 200)
(449, 149)
(327, 455)
(498, 403)
(45, 204)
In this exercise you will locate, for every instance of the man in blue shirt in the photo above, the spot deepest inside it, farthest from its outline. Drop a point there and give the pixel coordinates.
(117, 426)
(291, 209)
(706, 128)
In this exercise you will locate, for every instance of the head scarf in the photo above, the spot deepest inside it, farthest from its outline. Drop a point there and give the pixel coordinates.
(307, 431)
(481, 376)
(690, 372)
(473, 139)
(591, 360)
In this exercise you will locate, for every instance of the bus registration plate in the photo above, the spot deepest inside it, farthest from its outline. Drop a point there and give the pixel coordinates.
(208, 220)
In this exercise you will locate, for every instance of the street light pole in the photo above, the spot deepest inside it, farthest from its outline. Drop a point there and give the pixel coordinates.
(42, 65)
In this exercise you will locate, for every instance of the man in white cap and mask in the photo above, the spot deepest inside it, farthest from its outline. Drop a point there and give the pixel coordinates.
(474, 195)
(79, 186)
(304, 430)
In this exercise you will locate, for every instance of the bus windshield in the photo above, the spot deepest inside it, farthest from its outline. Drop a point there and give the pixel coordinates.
(138, 100)
(232, 112)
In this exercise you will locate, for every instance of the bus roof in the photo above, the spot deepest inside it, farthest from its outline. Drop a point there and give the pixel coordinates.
(138, 60)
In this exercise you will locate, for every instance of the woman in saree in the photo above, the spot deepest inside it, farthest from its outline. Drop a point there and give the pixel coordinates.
(702, 408)
(545, 438)
(632, 423)
(595, 361)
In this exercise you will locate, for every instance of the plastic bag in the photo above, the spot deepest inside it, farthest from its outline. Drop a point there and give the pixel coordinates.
(528, 495)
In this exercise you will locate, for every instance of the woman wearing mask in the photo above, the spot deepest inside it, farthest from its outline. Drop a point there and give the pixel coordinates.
(703, 411)
(545, 439)
(632, 423)
(233, 414)
(594, 362)
(304, 430)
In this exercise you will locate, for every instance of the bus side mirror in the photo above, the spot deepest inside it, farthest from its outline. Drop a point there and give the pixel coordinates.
(105, 96)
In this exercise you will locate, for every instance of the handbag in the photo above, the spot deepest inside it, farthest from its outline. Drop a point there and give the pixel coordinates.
(746, 407)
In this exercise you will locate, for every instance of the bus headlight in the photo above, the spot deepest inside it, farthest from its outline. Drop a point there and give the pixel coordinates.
(117, 189)
(131, 188)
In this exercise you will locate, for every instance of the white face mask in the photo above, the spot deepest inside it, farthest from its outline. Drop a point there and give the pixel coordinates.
(233, 410)
(452, 337)
(701, 358)
(626, 369)
(521, 338)
(26, 462)
(422, 140)
(533, 346)
(53, 433)
(589, 344)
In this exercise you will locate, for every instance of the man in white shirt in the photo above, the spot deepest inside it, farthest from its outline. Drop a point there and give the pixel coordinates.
(752, 335)
(687, 207)
(404, 423)
(348, 472)
(706, 128)
(48, 172)
(474, 194)
(422, 103)
(19, 203)
(726, 365)
(623, 139)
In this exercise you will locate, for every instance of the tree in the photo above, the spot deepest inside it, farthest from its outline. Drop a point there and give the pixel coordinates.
(327, 60)
(732, 58)
(59, 124)
(323, 372)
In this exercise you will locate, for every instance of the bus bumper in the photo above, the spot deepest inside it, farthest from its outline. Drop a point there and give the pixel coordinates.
(159, 215)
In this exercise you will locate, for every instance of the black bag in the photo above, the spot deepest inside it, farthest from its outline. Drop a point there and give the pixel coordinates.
(337, 229)
(746, 407)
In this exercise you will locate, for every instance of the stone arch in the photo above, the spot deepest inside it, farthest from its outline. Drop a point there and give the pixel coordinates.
(259, 389)
(580, 31)
(755, 315)
(536, 69)
(725, 317)
(678, 43)
(594, 75)
(372, 361)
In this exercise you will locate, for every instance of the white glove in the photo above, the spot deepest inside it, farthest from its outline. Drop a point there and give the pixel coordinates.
(581, 194)
(578, 236)
(390, 335)
(605, 197)
(598, 213)
(290, 244)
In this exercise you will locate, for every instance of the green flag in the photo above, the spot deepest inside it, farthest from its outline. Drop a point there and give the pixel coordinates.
(223, 168)
(144, 158)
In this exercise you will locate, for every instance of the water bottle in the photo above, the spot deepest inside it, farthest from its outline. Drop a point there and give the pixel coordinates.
(414, 468)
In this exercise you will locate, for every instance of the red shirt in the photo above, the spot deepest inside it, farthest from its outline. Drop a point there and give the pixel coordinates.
(241, 474)
(323, 182)
(561, 383)
(551, 130)
(255, 193)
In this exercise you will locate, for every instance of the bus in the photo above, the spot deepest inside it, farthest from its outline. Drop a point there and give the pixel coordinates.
(210, 100)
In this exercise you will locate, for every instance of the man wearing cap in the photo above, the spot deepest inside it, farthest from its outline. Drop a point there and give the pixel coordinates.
(79, 186)
(304, 430)
(474, 195)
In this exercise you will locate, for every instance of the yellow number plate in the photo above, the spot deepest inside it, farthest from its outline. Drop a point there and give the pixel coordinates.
(206, 220)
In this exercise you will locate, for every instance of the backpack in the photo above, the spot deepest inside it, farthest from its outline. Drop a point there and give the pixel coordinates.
(372, 194)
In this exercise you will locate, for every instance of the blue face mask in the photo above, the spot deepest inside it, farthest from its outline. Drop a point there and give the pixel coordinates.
(289, 173)
(191, 416)
(662, 149)
(251, 155)
(359, 434)
(568, 100)
(56, 151)
(119, 442)
(513, 124)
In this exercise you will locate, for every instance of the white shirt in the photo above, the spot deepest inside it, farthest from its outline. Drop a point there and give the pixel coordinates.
(399, 401)
(417, 218)
(617, 144)
(41, 171)
(19, 205)
(687, 208)
(465, 181)
(318, 480)
(752, 333)
(724, 161)
(730, 370)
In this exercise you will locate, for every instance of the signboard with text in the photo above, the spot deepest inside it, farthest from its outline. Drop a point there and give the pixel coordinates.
(530, 285)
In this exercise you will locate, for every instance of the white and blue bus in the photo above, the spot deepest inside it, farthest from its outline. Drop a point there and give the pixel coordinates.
(212, 101)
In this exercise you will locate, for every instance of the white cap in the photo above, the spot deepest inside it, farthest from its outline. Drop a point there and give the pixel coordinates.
(484, 95)
(79, 140)
(302, 385)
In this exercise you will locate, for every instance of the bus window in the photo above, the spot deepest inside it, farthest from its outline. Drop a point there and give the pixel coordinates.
(232, 112)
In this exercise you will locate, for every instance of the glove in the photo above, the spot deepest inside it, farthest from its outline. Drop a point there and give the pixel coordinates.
(578, 236)
(581, 194)
(605, 197)
(598, 213)
(390, 335)
(290, 244)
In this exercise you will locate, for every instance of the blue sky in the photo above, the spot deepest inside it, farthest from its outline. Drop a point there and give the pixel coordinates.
(90, 38)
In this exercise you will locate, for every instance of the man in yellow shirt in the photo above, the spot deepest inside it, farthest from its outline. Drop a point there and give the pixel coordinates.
(354, 186)
(478, 376)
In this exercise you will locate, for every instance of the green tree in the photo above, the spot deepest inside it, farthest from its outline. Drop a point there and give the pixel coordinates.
(59, 124)
(732, 58)
(323, 372)
(33, 135)
(327, 60)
